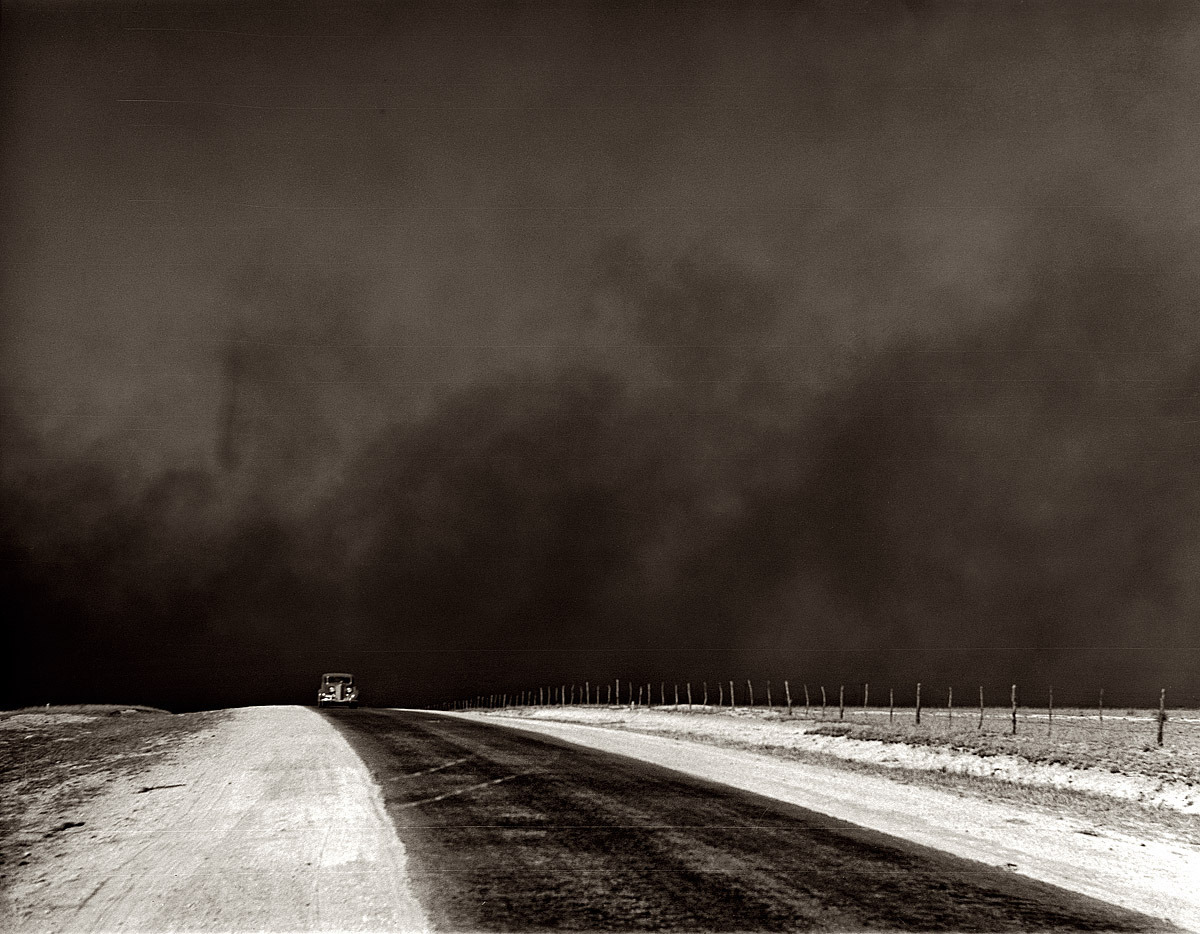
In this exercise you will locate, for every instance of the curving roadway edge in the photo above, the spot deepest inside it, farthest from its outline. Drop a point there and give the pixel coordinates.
(273, 823)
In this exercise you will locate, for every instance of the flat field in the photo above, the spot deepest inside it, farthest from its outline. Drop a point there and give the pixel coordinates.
(1125, 741)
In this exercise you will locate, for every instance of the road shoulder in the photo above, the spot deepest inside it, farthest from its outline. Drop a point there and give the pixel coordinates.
(269, 822)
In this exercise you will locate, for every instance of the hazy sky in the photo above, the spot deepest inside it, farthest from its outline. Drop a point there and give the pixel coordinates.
(732, 329)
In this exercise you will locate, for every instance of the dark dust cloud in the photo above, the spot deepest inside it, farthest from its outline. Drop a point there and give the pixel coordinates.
(526, 344)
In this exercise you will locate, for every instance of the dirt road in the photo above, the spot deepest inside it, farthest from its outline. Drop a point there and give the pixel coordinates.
(268, 820)
(1147, 875)
(511, 831)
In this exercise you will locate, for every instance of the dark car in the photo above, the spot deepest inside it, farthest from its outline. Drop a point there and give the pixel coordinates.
(337, 688)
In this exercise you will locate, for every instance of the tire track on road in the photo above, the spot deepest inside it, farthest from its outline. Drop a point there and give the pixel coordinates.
(527, 832)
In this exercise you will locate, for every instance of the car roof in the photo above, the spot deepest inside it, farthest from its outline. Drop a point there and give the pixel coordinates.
(337, 674)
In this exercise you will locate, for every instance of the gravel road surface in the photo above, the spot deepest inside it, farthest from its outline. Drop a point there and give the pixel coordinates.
(510, 831)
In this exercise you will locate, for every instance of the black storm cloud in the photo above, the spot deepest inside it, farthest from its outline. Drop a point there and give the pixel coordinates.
(484, 349)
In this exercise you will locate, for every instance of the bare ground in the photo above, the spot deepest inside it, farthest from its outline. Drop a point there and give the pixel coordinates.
(55, 760)
(256, 819)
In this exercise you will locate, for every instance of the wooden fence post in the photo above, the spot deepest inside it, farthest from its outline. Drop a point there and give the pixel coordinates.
(787, 692)
(950, 705)
(823, 702)
(630, 683)
(639, 695)
(806, 714)
(866, 695)
(750, 691)
(705, 701)
(1050, 713)
(677, 695)
(891, 704)
(1162, 713)
(689, 695)
(918, 702)
(981, 706)
(732, 697)
(842, 702)
(1102, 706)
(1014, 710)
(720, 694)
(769, 703)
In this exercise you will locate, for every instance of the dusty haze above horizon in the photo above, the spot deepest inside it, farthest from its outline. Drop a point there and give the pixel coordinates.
(518, 344)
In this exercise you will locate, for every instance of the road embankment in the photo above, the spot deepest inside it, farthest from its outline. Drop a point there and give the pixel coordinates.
(265, 821)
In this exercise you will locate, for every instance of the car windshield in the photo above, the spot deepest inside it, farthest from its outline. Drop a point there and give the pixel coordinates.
(339, 679)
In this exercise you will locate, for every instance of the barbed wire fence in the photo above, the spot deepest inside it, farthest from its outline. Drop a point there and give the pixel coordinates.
(933, 710)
